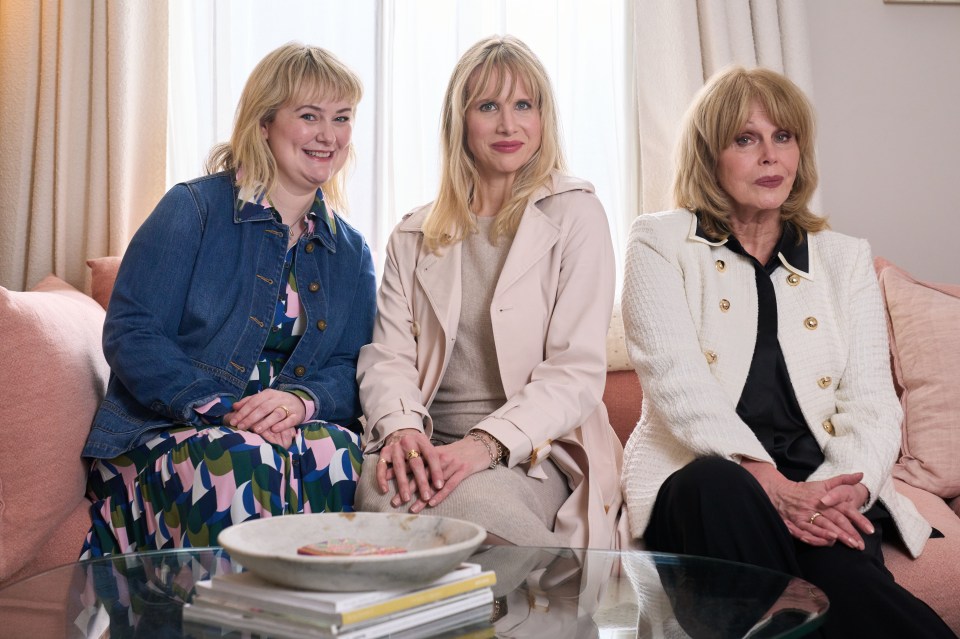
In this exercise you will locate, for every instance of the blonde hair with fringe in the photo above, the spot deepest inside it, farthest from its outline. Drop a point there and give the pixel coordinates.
(716, 116)
(495, 59)
(290, 72)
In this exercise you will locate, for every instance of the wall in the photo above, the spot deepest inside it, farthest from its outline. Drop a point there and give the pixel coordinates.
(886, 86)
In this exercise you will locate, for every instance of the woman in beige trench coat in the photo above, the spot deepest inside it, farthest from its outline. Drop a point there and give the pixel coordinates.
(482, 387)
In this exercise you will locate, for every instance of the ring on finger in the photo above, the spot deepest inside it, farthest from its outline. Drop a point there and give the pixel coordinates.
(413, 453)
(813, 517)
(286, 411)
(383, 460)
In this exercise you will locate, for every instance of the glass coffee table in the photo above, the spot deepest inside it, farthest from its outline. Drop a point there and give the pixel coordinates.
(540, 592)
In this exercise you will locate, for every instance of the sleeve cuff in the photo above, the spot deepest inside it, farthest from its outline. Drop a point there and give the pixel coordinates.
(212, 412)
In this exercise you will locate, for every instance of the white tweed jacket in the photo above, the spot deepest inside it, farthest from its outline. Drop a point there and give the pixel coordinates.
(690, 315)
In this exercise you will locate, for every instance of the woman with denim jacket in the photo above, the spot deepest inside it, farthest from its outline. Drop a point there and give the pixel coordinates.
(234, 328)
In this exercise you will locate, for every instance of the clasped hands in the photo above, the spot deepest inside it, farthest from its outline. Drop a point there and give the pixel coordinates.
(425, 473)
(818, 513)
(272, 414)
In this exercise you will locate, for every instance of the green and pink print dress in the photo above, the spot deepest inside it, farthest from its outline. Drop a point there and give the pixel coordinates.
(184, 486)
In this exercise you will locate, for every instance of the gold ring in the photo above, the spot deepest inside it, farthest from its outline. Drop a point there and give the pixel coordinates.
(383, 460)
(286, 411)
(813, 518)
(413, 453)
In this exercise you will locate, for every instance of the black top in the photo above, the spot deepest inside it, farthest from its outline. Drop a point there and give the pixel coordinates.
(768, 404)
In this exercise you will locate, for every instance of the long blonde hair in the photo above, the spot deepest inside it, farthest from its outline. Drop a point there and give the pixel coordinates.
(286, 73)
(716, 116)
(449, 220)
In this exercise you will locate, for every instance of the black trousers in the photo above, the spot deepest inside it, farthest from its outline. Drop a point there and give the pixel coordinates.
(714, 508)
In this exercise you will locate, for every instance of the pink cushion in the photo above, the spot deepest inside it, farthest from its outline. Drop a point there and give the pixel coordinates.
(103, 273)
(924, 323)
(53, 377)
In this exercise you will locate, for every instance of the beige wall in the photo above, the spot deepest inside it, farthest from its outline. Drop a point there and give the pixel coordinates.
(886, 86)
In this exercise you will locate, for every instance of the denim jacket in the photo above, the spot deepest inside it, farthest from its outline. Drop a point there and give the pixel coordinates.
(193, 304)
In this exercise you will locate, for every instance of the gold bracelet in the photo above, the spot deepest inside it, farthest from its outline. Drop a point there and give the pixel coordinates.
(494, 457)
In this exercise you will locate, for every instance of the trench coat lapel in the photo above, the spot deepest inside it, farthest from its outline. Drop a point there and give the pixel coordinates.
(439, 277)
(535, 236)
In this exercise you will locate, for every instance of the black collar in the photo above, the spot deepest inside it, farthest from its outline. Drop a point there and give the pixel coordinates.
(795, 256)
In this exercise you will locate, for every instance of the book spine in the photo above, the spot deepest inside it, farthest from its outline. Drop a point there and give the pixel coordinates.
(419, 598)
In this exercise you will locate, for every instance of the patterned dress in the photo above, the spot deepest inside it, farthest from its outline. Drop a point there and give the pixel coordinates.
(186, 484)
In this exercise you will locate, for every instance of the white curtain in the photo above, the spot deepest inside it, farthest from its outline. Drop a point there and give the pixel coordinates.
(582, 47)
(83, 122)
(214, 46)
(624, 72)
(405, 50)
(679, 44)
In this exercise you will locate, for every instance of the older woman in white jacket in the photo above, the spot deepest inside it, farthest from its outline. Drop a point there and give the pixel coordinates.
(482, 387)
(770, 424)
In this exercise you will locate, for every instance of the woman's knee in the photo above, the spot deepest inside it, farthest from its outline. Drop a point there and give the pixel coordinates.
(710, 477)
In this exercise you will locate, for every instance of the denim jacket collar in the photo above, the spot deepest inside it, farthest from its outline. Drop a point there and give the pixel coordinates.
(258, 209)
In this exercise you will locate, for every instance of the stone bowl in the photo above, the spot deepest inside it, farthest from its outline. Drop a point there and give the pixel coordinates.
(433, 546)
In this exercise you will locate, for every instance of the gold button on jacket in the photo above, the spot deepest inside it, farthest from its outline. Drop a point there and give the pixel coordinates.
(322, 325)
(793, 279)
(825, 381)
(811, 323)
(828, 426)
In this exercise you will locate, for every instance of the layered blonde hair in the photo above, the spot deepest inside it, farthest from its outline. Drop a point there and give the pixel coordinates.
(716, 116)
(498, 59)
(288, 73)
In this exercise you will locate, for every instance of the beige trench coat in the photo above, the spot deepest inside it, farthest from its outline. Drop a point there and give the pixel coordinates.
(550, 313)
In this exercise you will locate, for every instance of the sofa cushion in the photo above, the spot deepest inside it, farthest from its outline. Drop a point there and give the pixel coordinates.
(103, 273)
(617, 359)
(933, 577)
(925, 346)
(53, 377)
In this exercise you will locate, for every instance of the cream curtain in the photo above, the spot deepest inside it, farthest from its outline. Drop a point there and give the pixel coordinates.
(678, 44)
(83, 101)
(582, 46)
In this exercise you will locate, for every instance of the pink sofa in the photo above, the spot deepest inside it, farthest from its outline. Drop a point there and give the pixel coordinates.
(924, 325)
(53, 376)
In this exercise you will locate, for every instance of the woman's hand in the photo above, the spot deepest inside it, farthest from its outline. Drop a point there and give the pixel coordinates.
(458, 461)
(409, 452)
(283, 438)
(443, 466)
(818, 512)
(839, 509)
(269, 411)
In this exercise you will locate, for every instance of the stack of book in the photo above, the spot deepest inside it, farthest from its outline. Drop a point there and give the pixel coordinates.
(461, 599)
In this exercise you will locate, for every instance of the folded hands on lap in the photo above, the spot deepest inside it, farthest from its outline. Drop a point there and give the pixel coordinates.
(423, 472)
(272, 414)
(818, 513)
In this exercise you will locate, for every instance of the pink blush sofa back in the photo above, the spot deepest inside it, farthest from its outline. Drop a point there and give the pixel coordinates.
(53, 377)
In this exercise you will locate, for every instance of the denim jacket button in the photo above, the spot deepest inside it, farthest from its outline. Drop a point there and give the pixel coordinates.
(314, 287)
(322, 325)
(300, 371)
(309, 248)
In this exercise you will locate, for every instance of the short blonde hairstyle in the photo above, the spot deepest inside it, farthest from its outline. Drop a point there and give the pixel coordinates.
(285, 74)
(716, 116)
(449, 220)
